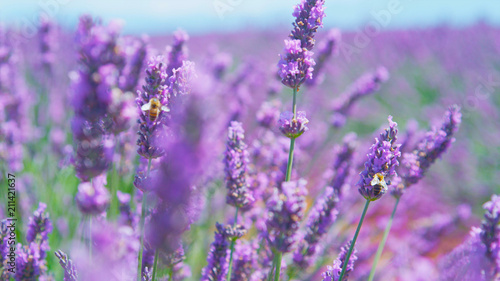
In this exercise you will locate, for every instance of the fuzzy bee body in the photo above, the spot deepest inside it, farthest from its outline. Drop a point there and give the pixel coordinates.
(154, 107)
(379, 184)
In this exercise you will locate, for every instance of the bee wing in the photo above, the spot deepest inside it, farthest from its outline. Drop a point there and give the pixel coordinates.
(165, 108)
(146, 106)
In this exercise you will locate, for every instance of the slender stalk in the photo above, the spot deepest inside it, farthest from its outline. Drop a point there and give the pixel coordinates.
(382, 243)
(171, 273)
(155, 264)
(141, 225)
(354, 240)
(278, 256)
(233, 241)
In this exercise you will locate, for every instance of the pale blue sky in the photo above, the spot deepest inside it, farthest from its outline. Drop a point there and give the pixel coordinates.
(199, 16)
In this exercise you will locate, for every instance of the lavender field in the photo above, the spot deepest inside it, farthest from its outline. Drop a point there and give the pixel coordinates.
(305, 153)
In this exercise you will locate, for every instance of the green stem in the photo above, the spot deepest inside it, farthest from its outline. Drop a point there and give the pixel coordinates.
(382, 243)
(278, 255)
(233, 241)
(155, 264)
(90, 238)
(141, 225)
(354, 240)
(171, 273)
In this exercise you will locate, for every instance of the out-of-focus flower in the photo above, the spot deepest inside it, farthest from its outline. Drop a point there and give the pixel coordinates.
(309, 16)
(177, 53)
(268, 114)
(381, 164)
(295, 64)
(326, 49)
(70, 273)
(28, 263)
(364, 86)
(285, 212)
(244, 258)
(93, 197)
(490, 230)
(320, 219)
(99, 67)
(39, 227)
(236, 161)
(293, 127)
(431, 147)
(48, 43)
(333, 272)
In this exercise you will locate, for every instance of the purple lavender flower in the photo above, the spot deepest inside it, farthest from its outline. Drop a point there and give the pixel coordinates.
(366, 85)
(93, 197)
(46, 34)
(285, 212)
(152, 132)
(177, 53)
(431, 147)
(28, 264)
(381, 164)
(309, 16)
(293, 127)
(322, 216)
(468, 261)
(333, 272)
(326, 49)
(135, 51)
(490, 230)
(236, 161)
(343, 162)
(218, 258)
(70, 273)
(295, 65)
(244, 257)
(268, 114)
(99, 68)
(39, 227)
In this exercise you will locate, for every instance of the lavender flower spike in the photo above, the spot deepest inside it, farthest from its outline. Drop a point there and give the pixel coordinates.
(236, 161)
(67, 264)
(296, 64)
(381, 164)
(218, 258)
(365, 85)
(326, 49)
(293, 127)
(309, 16)
(39, 227)
(333, 272)
(93, 197)
(152, 132)
(490, 230)
(286, 210)
(435, 143)
(28, 264)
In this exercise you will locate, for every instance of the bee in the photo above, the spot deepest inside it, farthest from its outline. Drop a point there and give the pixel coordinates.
(379, 184)
(154, 107)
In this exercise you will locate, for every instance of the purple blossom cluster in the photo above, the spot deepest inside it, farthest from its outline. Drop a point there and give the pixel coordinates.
(333, 272)
(381, 164)
(285, 209)
(93, 198)
(293, 127)
(431, 147)
(236, 162)
(490, 230)
(365, 85)
(70, 273)
(309, 16)
(218, 257)
(327, 48)
(296, 64)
